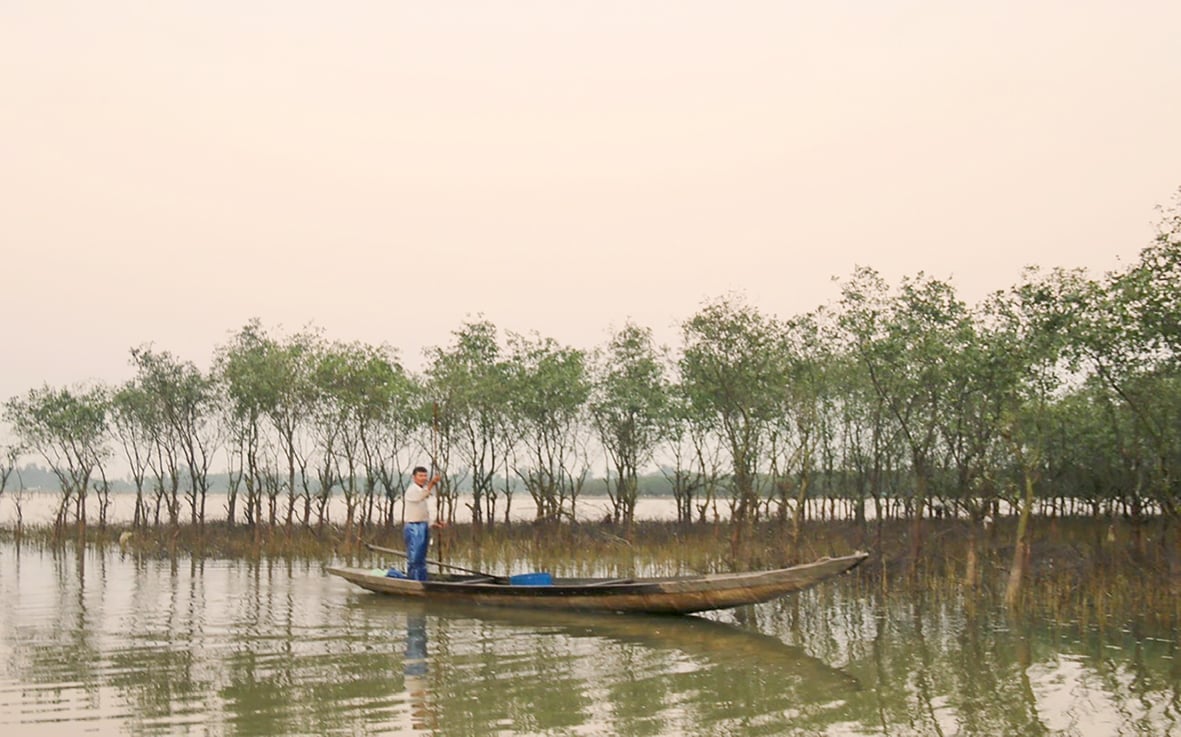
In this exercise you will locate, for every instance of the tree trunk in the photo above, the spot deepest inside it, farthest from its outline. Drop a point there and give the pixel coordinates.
(972, 567)
(1021, 550)
(916, 520)
(798, 520)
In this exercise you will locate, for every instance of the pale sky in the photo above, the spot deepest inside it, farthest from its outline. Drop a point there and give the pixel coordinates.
(386, 170)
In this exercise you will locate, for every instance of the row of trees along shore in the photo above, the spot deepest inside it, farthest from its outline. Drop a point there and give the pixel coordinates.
(899, 399)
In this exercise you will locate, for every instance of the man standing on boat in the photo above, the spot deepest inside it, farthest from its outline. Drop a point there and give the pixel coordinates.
(417, 531)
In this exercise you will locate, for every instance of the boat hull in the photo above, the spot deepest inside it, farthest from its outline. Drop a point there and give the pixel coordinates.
(681, 595)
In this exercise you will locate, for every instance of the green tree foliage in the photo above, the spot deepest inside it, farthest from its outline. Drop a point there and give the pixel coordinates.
(694, 460)
(1021, 371)
(468, 382)
(270, 381)
(241, 367)
(183, 406)
(135, 423)
(907, 342)
(803, 443)
(1141, 364)
(1125, 337)
(734, 371)
(389, 417)
(362, 417)
(548, 388)
(629, 408)
(9, 456)
(68, 428)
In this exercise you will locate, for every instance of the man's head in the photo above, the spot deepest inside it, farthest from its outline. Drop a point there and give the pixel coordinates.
(420, 475)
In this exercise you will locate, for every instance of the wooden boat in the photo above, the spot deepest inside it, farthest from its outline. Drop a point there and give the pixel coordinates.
(672, 595)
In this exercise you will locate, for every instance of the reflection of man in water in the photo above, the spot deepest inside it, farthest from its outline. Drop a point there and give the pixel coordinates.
(415, 645)
(414, 669)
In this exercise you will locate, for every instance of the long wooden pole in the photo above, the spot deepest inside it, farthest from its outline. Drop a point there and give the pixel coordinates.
(435, 452)
(441, 564)
(440, 507)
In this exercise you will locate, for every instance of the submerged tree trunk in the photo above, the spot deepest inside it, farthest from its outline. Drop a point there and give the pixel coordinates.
(916, 520)
(1021, 550)
(972, 566)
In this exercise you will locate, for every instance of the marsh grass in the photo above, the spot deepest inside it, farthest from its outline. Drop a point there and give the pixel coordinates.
(1083, 570)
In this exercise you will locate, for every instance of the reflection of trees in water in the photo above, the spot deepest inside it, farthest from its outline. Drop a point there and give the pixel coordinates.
(150, 645)
(93, 652)
(556, 671)
(945, 665)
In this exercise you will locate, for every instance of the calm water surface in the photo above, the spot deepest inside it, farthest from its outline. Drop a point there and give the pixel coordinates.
(109, 643)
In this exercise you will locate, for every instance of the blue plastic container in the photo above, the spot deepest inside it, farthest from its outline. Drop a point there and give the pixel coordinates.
(531, 579)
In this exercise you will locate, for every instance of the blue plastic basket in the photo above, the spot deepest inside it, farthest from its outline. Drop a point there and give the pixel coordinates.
(531, 579)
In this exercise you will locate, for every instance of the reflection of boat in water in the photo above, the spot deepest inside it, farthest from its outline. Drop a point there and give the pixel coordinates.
(670, 595)
(721, 643)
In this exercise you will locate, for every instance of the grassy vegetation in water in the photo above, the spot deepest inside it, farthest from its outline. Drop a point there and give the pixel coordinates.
(1083, 569)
